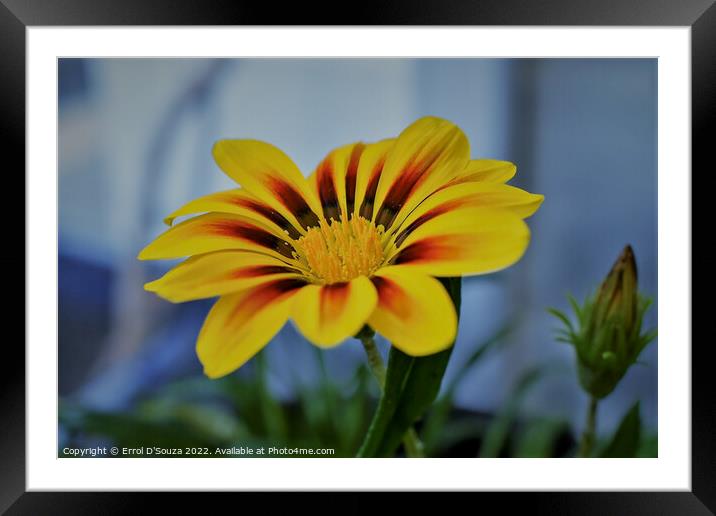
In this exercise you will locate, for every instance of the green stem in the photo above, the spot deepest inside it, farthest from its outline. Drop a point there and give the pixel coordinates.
(588, 436)
(375, 361)
(411, 442)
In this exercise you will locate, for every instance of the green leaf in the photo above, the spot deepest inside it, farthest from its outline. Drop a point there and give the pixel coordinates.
(498, 430)
(355, 412)
(273, 415)
(437, 419)
(157, 423)
(649, 447)
(411, 386)
(625, 441)
(399, 365)
(421, 388)
(538, 439)
(498, 339)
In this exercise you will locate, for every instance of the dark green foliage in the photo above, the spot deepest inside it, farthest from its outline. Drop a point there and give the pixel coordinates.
(236, 410)
(626, 440)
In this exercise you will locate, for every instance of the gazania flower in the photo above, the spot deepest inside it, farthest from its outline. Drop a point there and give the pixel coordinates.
(358, 242)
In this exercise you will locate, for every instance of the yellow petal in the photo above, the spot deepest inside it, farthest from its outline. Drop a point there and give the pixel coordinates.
(414, 312)
(240, 325)
(428, 154)
(219, 273)
(329, 314)
(334, 180)
(271, 176)
(370, 168)
(239, 202)
(465, 241)
(469, 195)
(217, 232)
(487, 170)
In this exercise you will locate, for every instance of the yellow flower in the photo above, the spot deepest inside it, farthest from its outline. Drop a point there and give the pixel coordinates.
(358, 242)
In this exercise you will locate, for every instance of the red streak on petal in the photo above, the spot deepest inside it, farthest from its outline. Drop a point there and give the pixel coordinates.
(268, 212)
(261, 270)
(247, 231)
(410, 178)
(327, 189)
(293, 201)
(414, 173)
(352, 175)
(392, 297)
(366, 209)
(333, 300)
(429, 215)
(261, 296)
(429, 249)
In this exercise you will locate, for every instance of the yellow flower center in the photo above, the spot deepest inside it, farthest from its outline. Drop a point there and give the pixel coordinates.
(341, 250)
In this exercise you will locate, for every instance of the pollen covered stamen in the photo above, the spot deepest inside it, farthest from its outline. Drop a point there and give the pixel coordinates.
(341, 250)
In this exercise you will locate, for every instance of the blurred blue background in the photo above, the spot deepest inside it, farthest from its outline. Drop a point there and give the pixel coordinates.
(134, 144)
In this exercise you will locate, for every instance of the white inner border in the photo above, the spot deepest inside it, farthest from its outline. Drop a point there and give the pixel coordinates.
(671, 471)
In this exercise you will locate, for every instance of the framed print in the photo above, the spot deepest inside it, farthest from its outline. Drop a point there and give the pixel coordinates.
(448, 253)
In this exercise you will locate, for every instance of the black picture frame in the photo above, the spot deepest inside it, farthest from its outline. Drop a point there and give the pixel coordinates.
(17, 15)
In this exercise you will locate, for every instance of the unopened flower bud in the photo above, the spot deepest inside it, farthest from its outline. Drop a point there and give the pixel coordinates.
(607, 336)
(617, 296)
